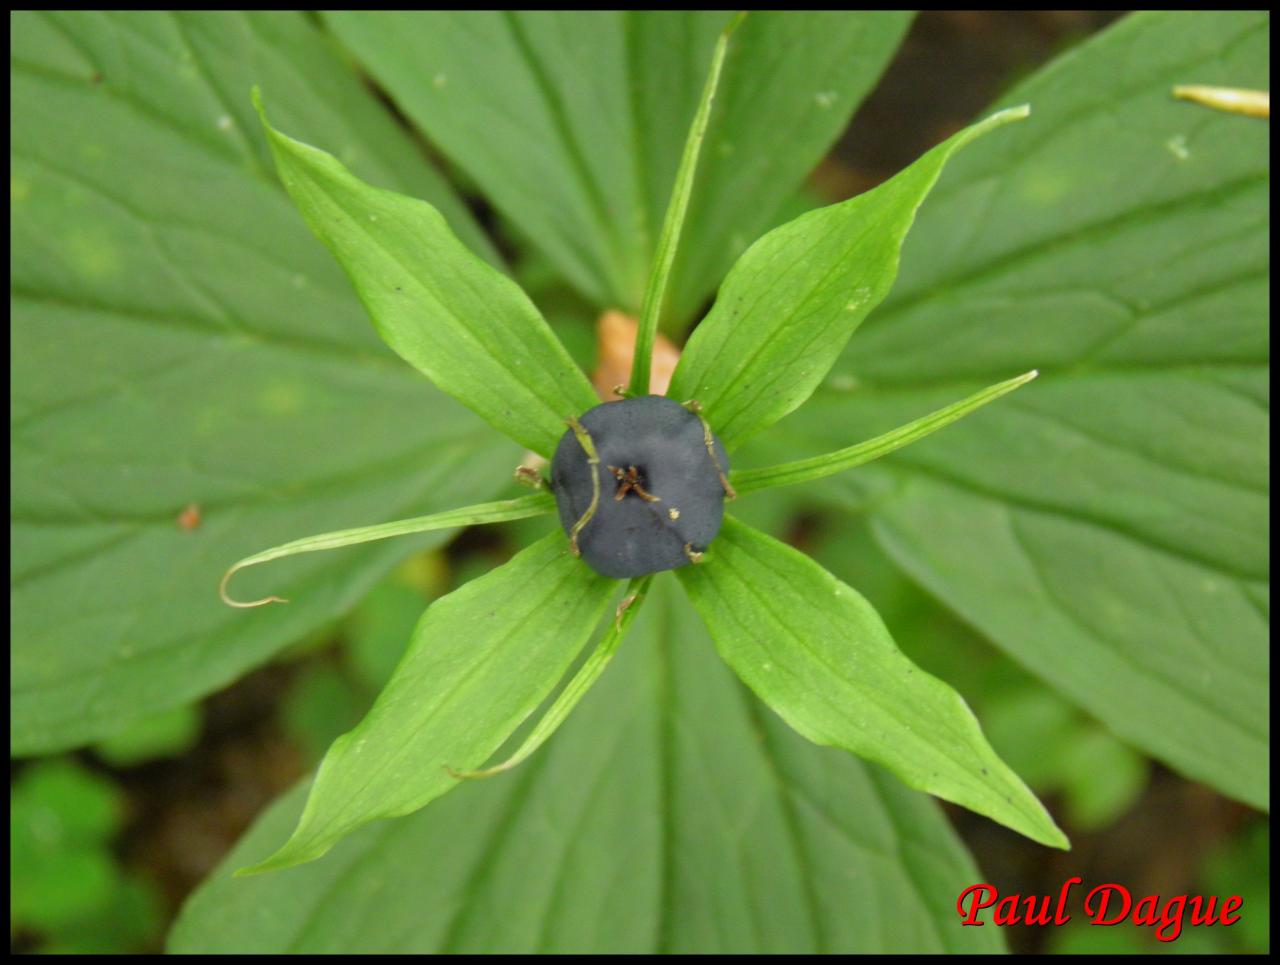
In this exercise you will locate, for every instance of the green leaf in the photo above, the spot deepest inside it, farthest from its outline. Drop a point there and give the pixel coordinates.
(128, 921)
(572, 122)
(170, 733)
(582, 680)
(480, 661)
(1104, 778)
(1047, 741)
(1108, 526)
(817, 652)
(457, 319)
(68, 804)
(1242, 866)
(179, 340)
(378, 630)
(61, 819)
(828, 464)
(663, 816)
(655, 293)
(318, 707)
(790, 304)
(536, 504)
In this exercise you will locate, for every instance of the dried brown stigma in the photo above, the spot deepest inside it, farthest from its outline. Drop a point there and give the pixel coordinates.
(629, 482)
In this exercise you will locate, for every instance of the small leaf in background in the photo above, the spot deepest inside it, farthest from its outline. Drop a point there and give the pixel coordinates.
(179, 339)
(61, 820)
(815, 651)
(128, 922)
(791, 302)
(607, 97)
(480, 661)
(67, 803)
(1107, 526)
(170, 733)
(1242, 866)
(1103, 778)
(662, 817)
(319, 707)
(379, 629)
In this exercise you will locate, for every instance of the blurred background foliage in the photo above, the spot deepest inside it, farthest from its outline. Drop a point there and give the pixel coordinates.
(106, 842)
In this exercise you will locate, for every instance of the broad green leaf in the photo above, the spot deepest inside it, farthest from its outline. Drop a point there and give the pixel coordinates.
(671, 812)
(793, 300)
(1108, 525)
(572, 122)
(480, 661)
(179, 340)
(456, 318)
(581, 683)
(816, 651)
(1048, 741)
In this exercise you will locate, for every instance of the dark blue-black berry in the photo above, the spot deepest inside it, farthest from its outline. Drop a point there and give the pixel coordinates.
(661, 486)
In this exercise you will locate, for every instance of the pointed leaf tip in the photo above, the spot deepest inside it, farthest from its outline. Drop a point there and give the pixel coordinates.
(481, 660)
(454, 317)
(795, 297)
(819, 654)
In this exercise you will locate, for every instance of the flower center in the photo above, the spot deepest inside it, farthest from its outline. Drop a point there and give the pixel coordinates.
(629, 482)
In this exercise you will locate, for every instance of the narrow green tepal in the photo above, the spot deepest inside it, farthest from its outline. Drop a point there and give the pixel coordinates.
(581, 683)
(481, 660)
(816, 651)
(830, 463)
(664, 256)
(790, 304)
(460, 321)
(501, 511)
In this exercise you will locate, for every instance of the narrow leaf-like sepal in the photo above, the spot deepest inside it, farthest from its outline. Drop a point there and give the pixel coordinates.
(816, 651)
(830, 463)
(460, 321)
(496, 512)
(480, 661)
(576, 688)
(669, 241)
(790, 304)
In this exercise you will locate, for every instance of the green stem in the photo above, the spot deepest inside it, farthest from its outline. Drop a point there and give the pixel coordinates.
(669, 240)
(573, 692)
(535, 505)
(804, 470)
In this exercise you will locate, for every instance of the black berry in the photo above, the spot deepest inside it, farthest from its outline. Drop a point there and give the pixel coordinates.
(662, 488)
